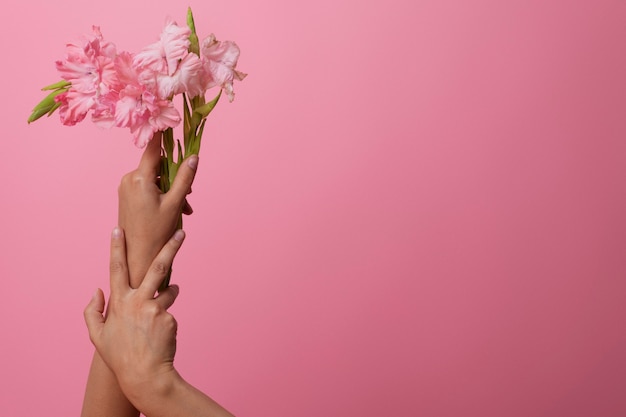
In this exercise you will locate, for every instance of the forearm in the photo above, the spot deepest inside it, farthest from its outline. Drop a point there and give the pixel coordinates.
(142, 246)
(169, 395)
(148, 218)
(173, 396)
(140, 257)
(103, 395)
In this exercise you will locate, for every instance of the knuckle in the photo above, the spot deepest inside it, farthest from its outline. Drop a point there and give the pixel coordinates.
(152, 309)
(130, 181)
(160, 268)
(116, 266)
(171, 323)
(125, 181)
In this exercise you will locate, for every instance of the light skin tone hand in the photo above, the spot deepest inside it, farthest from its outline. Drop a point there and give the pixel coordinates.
(137, 340)
(149, 218)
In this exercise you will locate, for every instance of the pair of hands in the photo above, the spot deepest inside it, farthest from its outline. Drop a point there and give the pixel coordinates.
(136, 337)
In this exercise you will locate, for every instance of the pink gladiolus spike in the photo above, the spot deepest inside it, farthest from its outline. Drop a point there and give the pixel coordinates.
(135, 91)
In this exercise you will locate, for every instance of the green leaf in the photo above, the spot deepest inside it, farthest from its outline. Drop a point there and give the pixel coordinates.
(180, 152)
(36, 114)
(173, 171)
(47, 105)
(197, 101)
(194, 45)
(164, 176)
(186, 121)
(168, 143)
(205, 109)
(196, 118)
(199, 136)
(57, 85)
(48, 101)
(52, 110)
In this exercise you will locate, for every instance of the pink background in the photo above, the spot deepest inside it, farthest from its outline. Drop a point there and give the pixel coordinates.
(411, 208)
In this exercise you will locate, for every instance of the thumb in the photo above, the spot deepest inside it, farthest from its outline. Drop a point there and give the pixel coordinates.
(167, 297)
(182, 183)
(93, 315)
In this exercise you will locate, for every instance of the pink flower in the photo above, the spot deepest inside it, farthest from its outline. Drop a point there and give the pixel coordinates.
(74, 107)
(186, 79)
(144, 114)
(137, 105)
(163, 55)
(168, 64)
(219, 60)
(89, 68)
(136, 90)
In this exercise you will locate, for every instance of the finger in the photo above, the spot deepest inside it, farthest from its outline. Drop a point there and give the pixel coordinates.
(118, 268)
(182, 183)
(167, 297)
(94, 315)
(161, 265)
(187, 209)
(151, 158)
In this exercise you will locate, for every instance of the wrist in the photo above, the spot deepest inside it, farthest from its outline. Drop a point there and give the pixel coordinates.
(139, 257)
(148, 394)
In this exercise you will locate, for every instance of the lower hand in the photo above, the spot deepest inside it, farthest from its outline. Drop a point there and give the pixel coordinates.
(137, 339)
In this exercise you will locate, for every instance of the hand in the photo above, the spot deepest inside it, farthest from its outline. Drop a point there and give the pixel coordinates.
(148, 216)
(137, 340)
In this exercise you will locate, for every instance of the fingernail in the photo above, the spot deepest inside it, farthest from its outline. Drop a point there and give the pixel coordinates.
(117, 233)
(193, 161)
(179, 235)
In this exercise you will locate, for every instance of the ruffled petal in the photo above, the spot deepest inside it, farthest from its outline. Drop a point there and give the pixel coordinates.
(142, 134)
(220, 60)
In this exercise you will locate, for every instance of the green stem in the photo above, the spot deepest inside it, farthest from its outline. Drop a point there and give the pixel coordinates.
(168, 170)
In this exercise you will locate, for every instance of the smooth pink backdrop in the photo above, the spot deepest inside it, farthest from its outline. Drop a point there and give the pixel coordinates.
(412, 208)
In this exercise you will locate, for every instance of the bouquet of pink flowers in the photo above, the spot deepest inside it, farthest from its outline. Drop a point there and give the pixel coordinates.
(136, 90)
